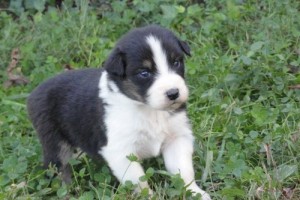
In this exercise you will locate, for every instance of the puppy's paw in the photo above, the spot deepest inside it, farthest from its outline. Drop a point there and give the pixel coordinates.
(143, 188)
(196, 190)
(205, 196)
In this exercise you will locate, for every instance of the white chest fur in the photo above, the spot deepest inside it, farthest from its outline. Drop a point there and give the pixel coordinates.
(138, 130)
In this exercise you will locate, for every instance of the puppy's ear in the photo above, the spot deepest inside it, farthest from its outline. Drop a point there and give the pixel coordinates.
(185, 47)
(115, 64)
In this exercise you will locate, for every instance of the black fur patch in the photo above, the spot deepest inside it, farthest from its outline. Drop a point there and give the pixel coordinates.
(67, 109)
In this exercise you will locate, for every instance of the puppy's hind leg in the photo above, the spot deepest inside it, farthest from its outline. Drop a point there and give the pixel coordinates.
(64, 155)
(57, 152)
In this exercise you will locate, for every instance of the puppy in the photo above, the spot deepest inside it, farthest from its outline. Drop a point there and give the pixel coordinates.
(135, 105)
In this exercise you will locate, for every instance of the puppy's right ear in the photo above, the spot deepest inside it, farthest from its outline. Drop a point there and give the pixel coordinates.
(115, 64)
(185, 47)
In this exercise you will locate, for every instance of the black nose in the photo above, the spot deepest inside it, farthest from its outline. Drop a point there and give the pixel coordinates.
(172, 94)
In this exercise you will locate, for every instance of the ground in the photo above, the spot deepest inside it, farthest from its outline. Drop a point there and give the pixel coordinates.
(243, 77)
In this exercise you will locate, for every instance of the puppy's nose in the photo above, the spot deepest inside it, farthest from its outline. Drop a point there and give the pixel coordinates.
(173, 93)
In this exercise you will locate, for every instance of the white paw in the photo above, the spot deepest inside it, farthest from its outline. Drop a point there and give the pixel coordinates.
(205, 196)
(194, 188)
(142, 186)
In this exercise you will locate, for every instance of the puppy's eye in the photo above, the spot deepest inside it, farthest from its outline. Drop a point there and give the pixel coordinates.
(177, 63)
(144, 74)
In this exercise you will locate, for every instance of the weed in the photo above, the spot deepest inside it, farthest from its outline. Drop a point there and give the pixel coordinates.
(245, 113)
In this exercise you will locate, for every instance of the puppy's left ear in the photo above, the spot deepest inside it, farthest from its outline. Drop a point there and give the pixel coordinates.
(185, 47)
(115, 64)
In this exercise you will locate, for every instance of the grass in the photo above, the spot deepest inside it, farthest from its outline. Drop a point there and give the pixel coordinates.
(245, 113)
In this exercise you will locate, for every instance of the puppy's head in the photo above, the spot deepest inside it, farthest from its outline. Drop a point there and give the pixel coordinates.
(147, 65)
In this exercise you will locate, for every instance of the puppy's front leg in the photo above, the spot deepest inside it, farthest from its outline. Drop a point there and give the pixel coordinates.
(124, 169)
(177, 155)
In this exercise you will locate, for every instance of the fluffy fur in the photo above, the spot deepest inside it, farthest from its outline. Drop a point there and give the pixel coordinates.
(135, 105)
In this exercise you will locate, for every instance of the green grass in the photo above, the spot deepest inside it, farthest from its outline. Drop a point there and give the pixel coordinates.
(245, 117)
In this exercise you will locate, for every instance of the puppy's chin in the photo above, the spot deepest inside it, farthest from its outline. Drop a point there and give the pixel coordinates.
(168, 106)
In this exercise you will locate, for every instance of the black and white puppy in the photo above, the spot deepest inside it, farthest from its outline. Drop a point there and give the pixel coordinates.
(135, 105)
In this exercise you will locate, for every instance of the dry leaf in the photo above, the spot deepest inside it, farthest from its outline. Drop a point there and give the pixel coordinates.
(12, 70)
(288, 193)
(68, 67)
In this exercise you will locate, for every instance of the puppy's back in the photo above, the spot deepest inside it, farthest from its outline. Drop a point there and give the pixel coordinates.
(68, 106)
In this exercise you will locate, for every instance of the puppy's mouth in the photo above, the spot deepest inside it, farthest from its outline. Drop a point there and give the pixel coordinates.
(173, 105)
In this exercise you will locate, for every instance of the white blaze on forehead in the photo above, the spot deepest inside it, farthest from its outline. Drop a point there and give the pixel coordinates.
(159, 55)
